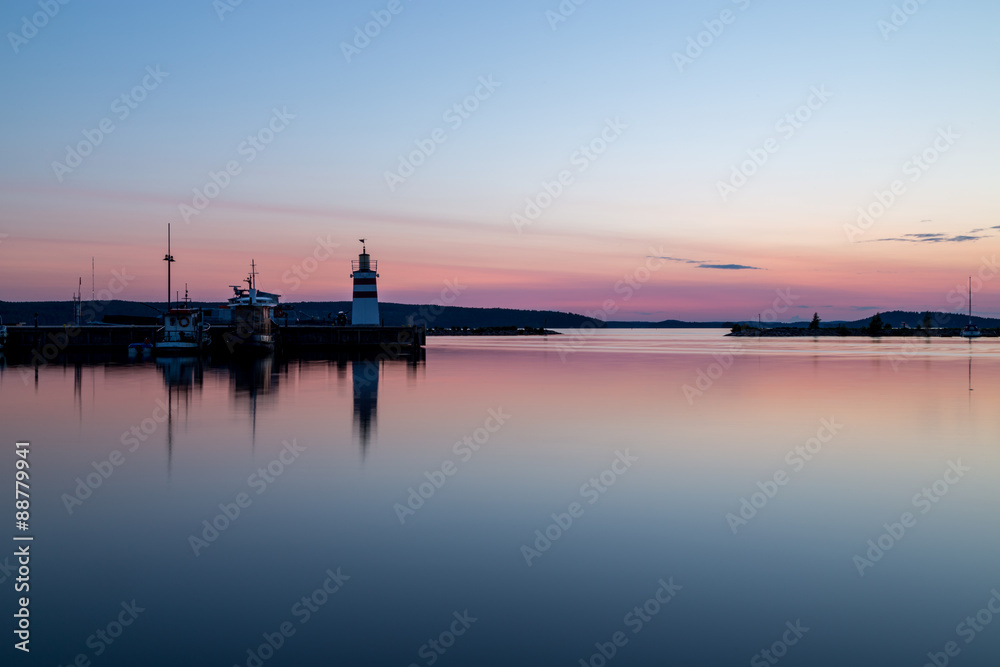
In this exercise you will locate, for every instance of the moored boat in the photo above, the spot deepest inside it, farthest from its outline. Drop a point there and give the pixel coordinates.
(970, 330)
(184, 332)
(252, 328)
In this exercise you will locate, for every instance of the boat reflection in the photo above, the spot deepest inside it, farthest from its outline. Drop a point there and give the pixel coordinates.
(181, 375)
(181, 372)
(254, 383)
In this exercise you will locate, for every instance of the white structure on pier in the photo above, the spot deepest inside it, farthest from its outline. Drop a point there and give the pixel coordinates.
(365, 309)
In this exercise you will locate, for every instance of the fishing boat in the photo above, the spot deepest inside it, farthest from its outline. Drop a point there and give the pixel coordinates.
(250, 309)
(970, 330)
(184, 331)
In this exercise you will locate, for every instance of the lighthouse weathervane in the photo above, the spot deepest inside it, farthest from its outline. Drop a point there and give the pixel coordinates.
(365, 306)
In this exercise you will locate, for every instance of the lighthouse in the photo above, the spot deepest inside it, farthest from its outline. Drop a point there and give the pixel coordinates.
(364, 271)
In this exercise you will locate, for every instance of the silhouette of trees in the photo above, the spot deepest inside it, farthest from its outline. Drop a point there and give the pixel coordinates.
(875, 326)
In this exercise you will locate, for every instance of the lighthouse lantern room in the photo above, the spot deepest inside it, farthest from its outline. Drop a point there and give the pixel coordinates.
(364, 271)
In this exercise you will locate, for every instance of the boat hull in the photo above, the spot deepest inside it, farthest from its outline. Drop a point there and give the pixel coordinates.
(254, 345)
(179, 349)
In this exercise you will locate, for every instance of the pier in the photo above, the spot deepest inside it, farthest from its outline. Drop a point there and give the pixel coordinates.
(297, 336)
(49, 341)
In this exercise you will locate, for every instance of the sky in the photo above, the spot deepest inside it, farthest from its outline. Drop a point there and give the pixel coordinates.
(703, 160)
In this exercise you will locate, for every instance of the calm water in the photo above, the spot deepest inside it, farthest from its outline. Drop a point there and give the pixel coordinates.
(414, 489)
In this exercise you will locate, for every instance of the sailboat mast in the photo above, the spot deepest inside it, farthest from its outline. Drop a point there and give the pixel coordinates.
(169, 259)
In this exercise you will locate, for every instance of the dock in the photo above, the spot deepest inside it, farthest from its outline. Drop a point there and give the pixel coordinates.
(47, 342)
(296, 336)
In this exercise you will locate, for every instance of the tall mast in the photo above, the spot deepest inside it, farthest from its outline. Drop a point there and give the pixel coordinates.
(970, 299)
(169, 259)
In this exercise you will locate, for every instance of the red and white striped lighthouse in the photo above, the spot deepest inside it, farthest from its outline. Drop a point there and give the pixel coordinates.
(365, 308)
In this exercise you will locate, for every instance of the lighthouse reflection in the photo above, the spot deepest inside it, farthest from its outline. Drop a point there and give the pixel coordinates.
(364, 377)
(255, 384)
(367, 371)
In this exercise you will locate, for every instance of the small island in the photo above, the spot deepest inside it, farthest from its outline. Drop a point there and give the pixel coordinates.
(940, 325)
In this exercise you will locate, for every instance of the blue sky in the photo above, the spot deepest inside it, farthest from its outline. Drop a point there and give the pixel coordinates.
(656, 184)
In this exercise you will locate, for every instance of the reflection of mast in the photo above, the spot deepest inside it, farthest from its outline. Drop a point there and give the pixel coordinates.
(253, 420)
(170, 431)
(256, 378)
(78, 388)
(181, 375)
(365, 379)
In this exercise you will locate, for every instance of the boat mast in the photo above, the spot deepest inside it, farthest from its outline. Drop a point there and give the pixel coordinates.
(970, 301)
(169, 259)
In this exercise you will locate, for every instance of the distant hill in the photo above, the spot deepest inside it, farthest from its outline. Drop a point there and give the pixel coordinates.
(61, 312)
(912, 319)
(670, 324)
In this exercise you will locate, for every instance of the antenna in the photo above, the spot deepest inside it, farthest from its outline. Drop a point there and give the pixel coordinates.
(169, 259)
(253, 272)
(77, 304)
(93, 275)
(363, 246)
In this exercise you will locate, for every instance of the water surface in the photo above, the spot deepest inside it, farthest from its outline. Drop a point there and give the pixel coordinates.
(643, 444)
